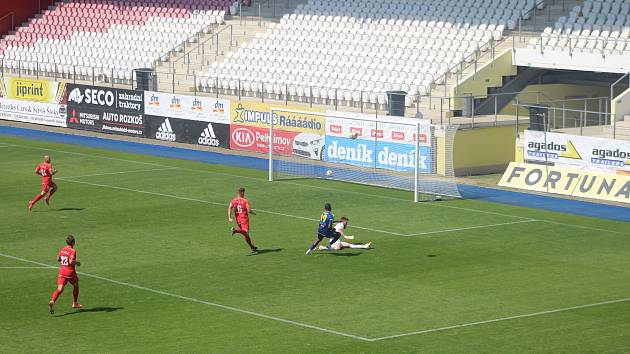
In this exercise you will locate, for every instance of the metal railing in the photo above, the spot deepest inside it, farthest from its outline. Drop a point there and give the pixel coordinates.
(579, 121)
(12, 15)
(190, 39)
(440, 109)
(200, 50)
(618, 83)
(576, 43)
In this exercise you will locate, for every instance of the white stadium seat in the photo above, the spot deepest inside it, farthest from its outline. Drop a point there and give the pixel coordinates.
(337, 45)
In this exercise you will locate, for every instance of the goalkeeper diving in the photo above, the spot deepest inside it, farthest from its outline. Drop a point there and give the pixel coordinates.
(338, 244)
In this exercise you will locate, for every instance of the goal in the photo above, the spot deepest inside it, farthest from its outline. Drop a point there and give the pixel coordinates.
(391, 152)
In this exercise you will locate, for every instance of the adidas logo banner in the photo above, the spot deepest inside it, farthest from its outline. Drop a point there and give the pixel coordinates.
(165, 132)
(208, 137)
(188, 131)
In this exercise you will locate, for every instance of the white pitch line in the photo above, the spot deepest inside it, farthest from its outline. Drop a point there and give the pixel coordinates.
(198, 301)
(471, 227)
(437, 205)
(585, 227)
(121, 172)
(33, 267)
(217, 203)
(321, 329)
(478, 323)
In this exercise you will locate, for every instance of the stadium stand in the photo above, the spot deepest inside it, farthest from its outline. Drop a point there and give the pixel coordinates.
(340, 50)
(595, 27)
(110, 36)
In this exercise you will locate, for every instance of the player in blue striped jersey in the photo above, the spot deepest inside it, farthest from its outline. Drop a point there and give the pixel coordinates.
(325, 228)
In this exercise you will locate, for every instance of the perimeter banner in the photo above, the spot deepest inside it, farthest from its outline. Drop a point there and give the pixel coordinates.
(188, 131)
(205, 109)
(567, 181)
(580, 152)
(383, 143)
(295, 134)
(33, 101)
(106, 109)
(33, 90)
(258, 115)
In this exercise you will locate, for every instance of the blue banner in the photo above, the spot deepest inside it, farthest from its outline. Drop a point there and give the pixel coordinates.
(376, 154)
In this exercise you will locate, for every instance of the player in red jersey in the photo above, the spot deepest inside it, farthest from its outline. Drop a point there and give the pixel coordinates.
(46, 170)
(241, 211)
(67, 273)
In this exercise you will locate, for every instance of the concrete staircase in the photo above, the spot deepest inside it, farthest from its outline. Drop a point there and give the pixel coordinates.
(621, 129)
(518, 38)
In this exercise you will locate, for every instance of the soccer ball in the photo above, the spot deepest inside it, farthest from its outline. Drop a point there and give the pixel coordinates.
(354, 135)
(328, 173)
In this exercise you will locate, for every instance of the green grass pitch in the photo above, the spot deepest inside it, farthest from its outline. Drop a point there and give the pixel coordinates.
(160, 272)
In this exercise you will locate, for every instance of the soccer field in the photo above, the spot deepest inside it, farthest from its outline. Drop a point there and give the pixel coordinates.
(161, 273)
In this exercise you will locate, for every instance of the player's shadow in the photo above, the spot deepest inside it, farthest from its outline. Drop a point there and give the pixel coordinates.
(58, 209)
(92, 309)
(344, 254)
(268, 250)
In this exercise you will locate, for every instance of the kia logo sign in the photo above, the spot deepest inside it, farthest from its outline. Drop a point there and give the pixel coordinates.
(243, 137)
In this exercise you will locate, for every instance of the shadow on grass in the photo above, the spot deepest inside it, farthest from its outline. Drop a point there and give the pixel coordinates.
(343, 254)
(92, 309)
(58, 209)
(268, 250)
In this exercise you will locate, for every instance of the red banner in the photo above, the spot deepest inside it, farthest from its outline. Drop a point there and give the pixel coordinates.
(257, 139)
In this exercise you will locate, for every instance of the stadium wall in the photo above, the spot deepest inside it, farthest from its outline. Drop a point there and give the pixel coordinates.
(489, 75)
(620, 106)
(22, 10)
(484, 150)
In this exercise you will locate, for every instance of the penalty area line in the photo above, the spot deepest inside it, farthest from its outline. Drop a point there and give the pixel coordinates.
(471, 228)
(32, 267)
(198, 301)
(501, 319)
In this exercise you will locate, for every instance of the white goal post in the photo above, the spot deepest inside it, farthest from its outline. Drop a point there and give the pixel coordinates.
(391, 152)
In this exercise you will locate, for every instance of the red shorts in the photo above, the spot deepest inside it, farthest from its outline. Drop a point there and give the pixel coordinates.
(243, 225)
(48, 185)
(64, 279)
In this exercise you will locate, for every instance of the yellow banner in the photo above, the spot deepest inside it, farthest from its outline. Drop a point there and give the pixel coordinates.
(256, 114)
(566, 181)
(32, 90)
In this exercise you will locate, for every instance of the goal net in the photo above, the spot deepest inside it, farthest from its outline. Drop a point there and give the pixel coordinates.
(400, 153)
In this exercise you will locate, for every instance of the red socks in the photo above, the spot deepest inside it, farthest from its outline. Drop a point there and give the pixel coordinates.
(55, 295)
(249, 241)
(50, 194)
